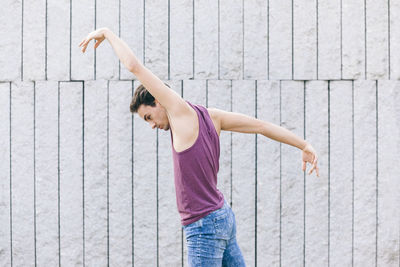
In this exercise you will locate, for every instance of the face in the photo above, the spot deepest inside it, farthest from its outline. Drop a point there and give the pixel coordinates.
(156, 116)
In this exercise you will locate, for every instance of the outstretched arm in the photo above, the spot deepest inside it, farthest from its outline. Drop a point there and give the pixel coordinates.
(237, 122)
(167, 97)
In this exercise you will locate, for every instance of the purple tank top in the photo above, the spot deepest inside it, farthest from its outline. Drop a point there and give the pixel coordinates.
(196, 171)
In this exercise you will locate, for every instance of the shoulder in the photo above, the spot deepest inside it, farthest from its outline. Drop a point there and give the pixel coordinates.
(216, 116)
(213, 112)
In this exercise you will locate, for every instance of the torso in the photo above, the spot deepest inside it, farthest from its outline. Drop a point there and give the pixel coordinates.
(185, 129)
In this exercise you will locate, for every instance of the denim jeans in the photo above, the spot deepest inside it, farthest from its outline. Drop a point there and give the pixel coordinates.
(212, 241)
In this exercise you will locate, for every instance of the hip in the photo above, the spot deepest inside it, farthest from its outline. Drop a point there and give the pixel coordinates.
(220, 224)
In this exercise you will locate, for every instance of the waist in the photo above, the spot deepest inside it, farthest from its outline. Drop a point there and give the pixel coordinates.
(194, 210)
(207, 223)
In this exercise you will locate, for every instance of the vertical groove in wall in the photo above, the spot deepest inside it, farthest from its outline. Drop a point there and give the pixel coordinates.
(329, 171)
(219, 41)
(95, 25)
(144, 32)
(157, 215)
(267, 39)
(255, 186)
(108, 173)
(304, 179)
(182, 233)
(157, 170)
(70, 37)
(377, 173)
(169, 50)
(83, 169)
(341, 39)
(132, 178)
(280, 177)
(389, 63)
(182, 247)
(10, 130)
(243, 77)
(365, 37)
(34, 169)
(292, 41)
(45, 45)
(58, 173)
(207, 93)
(22, 41)
(193, 20)
(231, 152)
(317, 44)
(119, 34)
(352, 194)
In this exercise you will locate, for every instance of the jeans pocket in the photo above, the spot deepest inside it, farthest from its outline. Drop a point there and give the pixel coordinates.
(222, 225)
(201, 227)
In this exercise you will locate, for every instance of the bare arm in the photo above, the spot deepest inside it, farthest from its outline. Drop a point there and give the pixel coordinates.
(167, 97)
(237, 122)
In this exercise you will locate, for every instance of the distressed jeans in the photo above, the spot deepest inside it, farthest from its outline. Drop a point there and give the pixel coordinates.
(211, 241)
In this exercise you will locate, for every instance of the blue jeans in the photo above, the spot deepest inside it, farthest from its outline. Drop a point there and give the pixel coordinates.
(212, 241)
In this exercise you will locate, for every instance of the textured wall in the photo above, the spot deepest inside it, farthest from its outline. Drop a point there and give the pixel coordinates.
(83, 182)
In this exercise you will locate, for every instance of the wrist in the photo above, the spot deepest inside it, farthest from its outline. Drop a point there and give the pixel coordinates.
(106, 32)
(303, 145)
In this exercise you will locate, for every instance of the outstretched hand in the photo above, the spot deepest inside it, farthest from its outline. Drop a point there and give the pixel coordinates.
(98, 35)
(309, 155)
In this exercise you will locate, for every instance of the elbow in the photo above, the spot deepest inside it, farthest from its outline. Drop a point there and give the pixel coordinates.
(262, 129)
(266, 128)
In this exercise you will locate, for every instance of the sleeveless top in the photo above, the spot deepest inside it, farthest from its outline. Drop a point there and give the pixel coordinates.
(195, 170)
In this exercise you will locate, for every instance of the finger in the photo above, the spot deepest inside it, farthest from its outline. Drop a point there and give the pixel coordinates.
(314, 162)
(313, 167)
(87, 41)
(82, 42)
(97, 44)
(85, 45)
(304, 166)
(84, 48)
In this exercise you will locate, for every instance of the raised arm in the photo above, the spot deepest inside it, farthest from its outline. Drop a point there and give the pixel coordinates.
(237, 122)
(167, 97)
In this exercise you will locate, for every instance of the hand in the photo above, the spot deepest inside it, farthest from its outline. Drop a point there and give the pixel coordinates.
(98, 35)
(309, 155)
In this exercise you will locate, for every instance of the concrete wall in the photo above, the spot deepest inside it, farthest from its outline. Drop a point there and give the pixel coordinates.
(83, 182)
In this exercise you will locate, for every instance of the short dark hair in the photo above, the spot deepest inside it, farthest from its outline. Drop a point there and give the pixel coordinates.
(142, 97)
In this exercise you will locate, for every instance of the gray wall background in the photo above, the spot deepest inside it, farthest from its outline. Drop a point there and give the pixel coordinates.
(83, 182)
